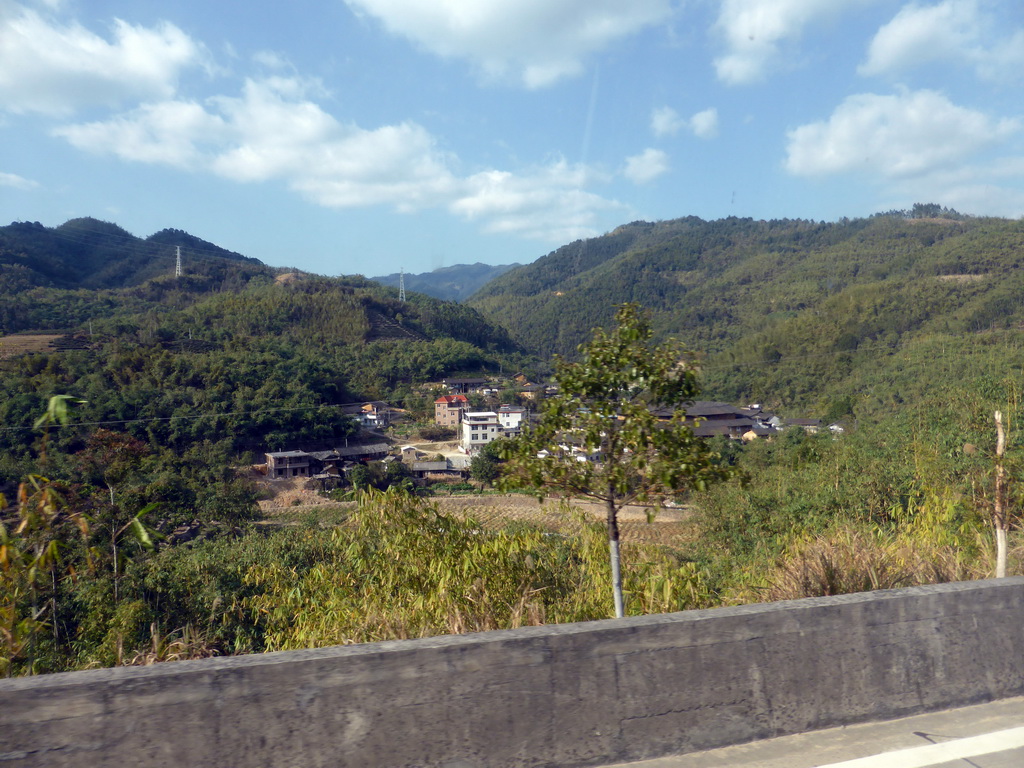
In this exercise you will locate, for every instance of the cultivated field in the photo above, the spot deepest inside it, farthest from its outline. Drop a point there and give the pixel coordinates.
(23, 344)
(670, 527)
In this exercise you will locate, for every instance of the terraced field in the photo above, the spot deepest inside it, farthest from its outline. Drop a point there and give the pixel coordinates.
(23, 344)
(670, 527)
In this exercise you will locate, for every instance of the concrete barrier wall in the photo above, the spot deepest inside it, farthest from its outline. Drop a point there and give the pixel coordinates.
(570, 695)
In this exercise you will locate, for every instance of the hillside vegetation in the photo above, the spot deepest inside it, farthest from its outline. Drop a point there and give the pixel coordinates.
(129, 536)
(88, 253)
(228, 353)
(845, 317)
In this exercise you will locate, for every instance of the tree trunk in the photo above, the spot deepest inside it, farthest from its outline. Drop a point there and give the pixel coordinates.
(113, 544)
(999, 507)
(613, 552)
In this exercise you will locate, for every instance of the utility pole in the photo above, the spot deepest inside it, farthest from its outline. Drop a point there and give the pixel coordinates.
(1000, 514)
(177, 263)
(401, 285)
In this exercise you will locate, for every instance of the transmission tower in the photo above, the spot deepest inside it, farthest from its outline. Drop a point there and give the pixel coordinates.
(177, 262)
(401, 286)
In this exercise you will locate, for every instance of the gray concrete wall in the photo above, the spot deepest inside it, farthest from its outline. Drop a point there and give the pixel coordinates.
(571, 695)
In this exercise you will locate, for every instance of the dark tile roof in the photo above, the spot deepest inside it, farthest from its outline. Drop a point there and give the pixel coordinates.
(363, 450)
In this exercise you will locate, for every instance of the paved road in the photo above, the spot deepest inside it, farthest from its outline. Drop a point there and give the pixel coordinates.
(982, 736)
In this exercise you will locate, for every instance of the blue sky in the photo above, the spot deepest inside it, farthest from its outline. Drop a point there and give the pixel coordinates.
(365, 136)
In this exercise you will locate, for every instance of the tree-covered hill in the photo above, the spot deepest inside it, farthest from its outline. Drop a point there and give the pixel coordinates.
(794, 313)
(455, 283)
(249, 362)
(88, 253)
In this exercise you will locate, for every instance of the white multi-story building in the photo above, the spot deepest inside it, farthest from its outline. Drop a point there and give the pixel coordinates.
(478, 429)
(511, 418)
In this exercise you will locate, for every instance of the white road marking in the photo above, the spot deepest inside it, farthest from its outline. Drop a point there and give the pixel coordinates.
(936, 754)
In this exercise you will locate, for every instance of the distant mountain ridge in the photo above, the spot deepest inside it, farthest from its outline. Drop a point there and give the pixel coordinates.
(455, 283)
(791, 311)
(89, 253)
(88, 270)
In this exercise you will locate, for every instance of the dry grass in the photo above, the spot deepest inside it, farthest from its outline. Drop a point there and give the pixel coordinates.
(961, 278)
(181, 645)
(23, 344)
(847, 560)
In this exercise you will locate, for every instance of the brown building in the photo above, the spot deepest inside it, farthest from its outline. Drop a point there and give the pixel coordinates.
(448, 410)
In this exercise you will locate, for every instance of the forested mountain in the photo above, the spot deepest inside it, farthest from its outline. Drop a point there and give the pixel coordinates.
(455, 283)
(230, 353)
(852, 316)
(162, 350)
(88, 253)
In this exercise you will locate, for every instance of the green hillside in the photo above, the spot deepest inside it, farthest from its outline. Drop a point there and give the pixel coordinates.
(910, 327)
(230, 353)
(88, 253)
(851, 316)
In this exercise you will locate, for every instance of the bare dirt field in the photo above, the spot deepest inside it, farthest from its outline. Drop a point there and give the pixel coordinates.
(670, 527)
(21, 344)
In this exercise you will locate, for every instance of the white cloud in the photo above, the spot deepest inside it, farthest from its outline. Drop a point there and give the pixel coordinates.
(273, 131)
(987, 188)
(272, 60)
(951, 30)
(54, 69)
(646, 167)
(705, 124)
(903, 135)
(15, 181)
(535, 41)
(755, 30)
(665, 121)
(167, 133)
(549, 203)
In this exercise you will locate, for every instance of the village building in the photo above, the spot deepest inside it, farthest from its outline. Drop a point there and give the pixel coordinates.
(533, 391)
(375, 415)
(437, 470)
(711, 419)
(364, 452)
(511, 418)
(448, 410)
(282, 464)
(288, 464)
(478, 429)
(464, 386)
(810, 426)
